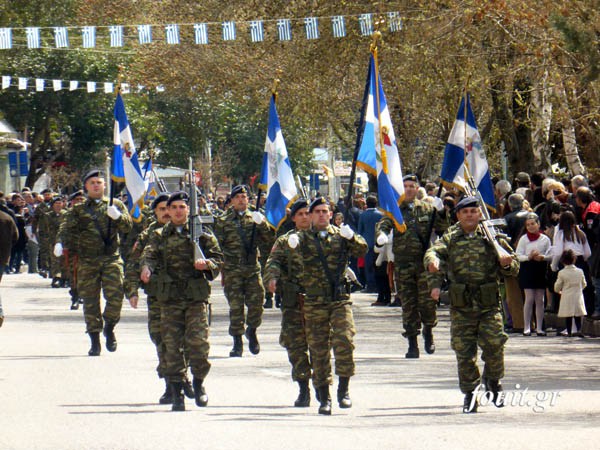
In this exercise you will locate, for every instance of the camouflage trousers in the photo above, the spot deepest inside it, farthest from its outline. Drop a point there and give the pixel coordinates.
(243, 288)
(329, 325)
(417, 305)
(44, 254)
(57, 268)
(155, 334)
(106, 273)
(293, 339)
(469, 328)
(185, 324)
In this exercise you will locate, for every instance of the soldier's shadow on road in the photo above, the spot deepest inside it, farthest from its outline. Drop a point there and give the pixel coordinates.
(27, 357)
(134, 408)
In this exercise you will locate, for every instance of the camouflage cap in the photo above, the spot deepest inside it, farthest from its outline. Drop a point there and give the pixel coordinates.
(316, 202)
(162, 197)
(467, 202)
(239, 189)
(298, 205)
(178, 196)
(92, 174)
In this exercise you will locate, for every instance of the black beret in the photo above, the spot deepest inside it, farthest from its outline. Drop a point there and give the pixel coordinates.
(298, 204)
(410, 177)
(467, 202)
(178, 195)
(55, 199)
(162, 197)
(46, 191)
(75, 194)
(239, 189)
(316, 202)
(93, 173)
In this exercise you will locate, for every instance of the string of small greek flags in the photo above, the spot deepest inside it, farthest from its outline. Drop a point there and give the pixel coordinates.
(116, 35)
(40, 84)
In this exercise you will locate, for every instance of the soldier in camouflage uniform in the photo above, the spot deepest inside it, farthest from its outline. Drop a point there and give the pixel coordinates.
(325, 250)
(282, 274)
(473, 269)
(182, 290)
(94, 226)
(48, 226)
(44, 249)
(239, 233)
(409, 247)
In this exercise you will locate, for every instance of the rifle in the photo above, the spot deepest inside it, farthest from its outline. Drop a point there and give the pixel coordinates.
(195, 220)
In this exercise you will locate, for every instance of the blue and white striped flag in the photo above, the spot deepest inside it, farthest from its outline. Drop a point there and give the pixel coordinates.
(464, 149)
(116, 35)
(200, 33)
(284, 29)
(228, 31)
(5, 38)
(149, 180)
(22, 83)
(40, 84)
(33, 37)
(88, 37)
(145, 34)
(257, 33)
(5, 81)
(378, 152)
(394, 22)
(276, 177)
(339, 26)
(366, 24)
(61, 37)
(73, 85)
(311, 26)
(57, 85)
(126, 167)
(172, 34)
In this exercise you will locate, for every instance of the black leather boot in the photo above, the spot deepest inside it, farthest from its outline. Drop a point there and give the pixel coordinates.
(325, 400)
(200, 393)
(303, 399)
(55, 282)
(111, 340)
(188, 389)
(253, 344)
(495, 388)
(470, 403)
(413, 348)
(343, 396)
(96, 347)
(167, 397)
(238, 347)
(428, 338)
(177, 396)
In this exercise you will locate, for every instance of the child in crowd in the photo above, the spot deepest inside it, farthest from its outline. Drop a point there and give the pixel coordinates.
(570, 284)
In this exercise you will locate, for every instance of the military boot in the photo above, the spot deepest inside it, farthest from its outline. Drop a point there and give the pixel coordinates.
(200, 393)
(413, 348)
(55, 282)
(167, 397)
(325, 400)
(470, 403)
(303, 399)
(96, 347)
(238, 347)
(111, 340)
(188, 389)
(495, 388)
(252, 340)
(177, 396)
(428, 338)
(74, 302)
(343, 396)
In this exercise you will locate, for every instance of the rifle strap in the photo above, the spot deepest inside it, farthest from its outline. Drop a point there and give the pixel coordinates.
(105, 238)
(330, 278)
(247, 245)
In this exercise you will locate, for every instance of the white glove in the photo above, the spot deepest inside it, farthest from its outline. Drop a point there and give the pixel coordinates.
(346, 231)
(257, 217)
(113, 212)
(293, 241)
(58, 249)
(382, 239)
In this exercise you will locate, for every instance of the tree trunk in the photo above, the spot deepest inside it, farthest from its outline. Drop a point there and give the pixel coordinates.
(568, 134)
(541, 119)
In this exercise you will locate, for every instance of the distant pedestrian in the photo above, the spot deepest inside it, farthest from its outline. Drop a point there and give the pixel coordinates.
(570, 284)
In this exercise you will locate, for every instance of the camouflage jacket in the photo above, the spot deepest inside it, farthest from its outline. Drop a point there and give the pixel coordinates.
(467, 259)
(234, 232)
(40, 210)
(314, 279)
(284, 264)
(132, 266)
(88, 237)
(49, 225)
(170, 256)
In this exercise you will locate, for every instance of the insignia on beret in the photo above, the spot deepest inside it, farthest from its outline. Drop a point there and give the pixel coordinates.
(410, 177)
(239, 189)
(162, 197)
(316, 202)
(297, 205)
(177, 196)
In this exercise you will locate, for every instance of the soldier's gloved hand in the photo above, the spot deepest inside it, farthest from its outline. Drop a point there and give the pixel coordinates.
(346, 231)
(293, 241)
(113, 212)
(382, 239)
(258, 217)
(58, 249)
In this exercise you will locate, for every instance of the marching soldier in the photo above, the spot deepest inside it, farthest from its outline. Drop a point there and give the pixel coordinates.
(182, 290)
(239, 232)
(282, 274)
(409, 248)
(44, 249)
(93, 226)
(473, 269)
(327, 307)
(48, 226)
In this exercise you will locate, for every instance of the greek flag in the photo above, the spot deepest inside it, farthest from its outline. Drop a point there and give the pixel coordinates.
(91, 86)
(339, 26)
(145, 34)
(57, 85)
(61, 37)
(5, 38)
(125, 162)
(33, 37)
(257, 31)
(116, 36)
(88, 37)
(22, 83)
(5, 81)
(39, 85)
(73, 85)
(228, 31)
(108, 88)
(378, 152)
(149, 180)
(276, 177)
(284, 29)
(394, 21)
(172, 34)
(366, 24)
(200, 33)
(311, 25)
(464, 149)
